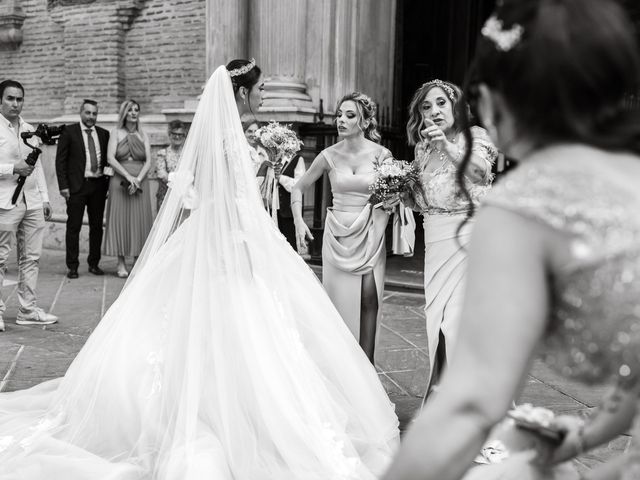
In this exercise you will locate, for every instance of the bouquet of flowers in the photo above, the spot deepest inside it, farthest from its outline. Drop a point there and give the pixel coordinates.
(393, 178)
(281, 143)
(279, 140)
(525, 428)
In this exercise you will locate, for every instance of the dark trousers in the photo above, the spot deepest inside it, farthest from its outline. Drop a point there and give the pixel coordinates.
(93, 195)
(288, 229)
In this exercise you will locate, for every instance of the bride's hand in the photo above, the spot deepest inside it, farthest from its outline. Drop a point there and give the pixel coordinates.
(302, 235)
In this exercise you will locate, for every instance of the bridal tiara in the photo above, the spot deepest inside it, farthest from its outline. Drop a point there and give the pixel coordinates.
(439, 83)
(236, 72)
(504, 40)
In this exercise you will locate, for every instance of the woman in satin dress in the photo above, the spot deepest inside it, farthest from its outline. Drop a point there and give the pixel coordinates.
(353, 246)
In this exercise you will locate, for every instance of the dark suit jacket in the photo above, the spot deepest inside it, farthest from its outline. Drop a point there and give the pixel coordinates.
(71, 158)
(284, 197)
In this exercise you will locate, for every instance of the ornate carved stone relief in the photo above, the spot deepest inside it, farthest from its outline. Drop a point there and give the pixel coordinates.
(11, 20)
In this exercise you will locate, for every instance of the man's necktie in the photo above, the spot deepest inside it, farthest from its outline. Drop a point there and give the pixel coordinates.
(92, 151)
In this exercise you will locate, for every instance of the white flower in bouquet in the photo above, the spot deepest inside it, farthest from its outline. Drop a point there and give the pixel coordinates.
(279, 140)
(392, 177)
(535, 415)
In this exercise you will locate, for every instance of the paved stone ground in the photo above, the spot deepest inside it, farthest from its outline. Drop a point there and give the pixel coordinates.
(29, 355)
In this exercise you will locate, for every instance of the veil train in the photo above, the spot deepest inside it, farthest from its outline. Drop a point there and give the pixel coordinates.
(222, 358)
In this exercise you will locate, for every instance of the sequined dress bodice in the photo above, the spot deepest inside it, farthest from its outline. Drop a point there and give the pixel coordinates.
(594, 325)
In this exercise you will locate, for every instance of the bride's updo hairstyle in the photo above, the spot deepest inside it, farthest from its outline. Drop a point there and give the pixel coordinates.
(367, 111)
(244, 73)
(565, 69)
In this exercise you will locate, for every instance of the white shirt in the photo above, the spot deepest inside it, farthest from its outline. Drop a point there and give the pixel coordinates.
(12, 150)
(87, 155)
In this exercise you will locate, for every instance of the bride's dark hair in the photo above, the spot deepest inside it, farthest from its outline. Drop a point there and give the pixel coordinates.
(568, 77)
(248, 79)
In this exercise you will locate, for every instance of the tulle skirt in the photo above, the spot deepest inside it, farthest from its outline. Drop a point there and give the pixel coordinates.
(197, 373)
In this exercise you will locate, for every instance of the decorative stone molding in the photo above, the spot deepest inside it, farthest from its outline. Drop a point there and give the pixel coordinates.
(64, 3)
(11, 20)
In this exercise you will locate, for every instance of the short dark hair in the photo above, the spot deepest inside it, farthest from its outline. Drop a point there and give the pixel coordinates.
(8, 84)
(175, 125)
(88, 101)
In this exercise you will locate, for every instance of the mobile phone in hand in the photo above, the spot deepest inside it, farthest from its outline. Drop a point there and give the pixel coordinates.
(552, 434)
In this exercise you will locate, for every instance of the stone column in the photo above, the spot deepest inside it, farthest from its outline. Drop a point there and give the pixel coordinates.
(277, 40)
(227, 25)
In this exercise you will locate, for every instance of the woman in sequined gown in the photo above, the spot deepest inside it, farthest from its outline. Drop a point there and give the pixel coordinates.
(554, 261)
(353, 246)
(434, 129)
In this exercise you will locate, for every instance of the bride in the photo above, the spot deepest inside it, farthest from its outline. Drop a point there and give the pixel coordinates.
(222, 358)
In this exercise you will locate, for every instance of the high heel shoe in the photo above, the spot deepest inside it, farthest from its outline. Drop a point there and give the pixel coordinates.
(122, 273)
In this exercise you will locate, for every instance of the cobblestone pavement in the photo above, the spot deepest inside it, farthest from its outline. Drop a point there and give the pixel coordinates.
(29, 355)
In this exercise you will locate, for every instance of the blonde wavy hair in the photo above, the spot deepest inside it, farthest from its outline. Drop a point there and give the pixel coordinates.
(367, 110)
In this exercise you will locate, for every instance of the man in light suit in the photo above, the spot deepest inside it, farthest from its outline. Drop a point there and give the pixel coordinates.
(80, 162)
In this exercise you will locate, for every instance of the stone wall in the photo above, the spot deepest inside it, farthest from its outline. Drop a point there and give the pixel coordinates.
(108, 50)
(150, 50)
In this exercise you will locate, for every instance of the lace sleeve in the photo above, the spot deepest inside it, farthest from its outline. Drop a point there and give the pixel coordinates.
(484, 151)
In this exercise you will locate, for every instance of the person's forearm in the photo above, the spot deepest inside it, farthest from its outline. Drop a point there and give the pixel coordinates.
(296, 204)
(6, 169)
(438, 446)
(144, 171)
(118, 168)
(614, 416)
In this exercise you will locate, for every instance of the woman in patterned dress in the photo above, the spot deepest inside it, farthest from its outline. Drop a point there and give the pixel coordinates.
(434, 128)
(554, 257)
(167, 158)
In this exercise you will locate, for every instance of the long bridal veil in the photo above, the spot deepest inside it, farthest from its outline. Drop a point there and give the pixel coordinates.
(222, 358)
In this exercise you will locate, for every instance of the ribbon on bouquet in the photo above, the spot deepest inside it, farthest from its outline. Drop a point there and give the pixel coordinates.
(269, 192)
(404, 231)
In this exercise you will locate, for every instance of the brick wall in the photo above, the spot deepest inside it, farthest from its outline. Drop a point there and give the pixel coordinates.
(38, 63)
(165, 58)
(155, 55)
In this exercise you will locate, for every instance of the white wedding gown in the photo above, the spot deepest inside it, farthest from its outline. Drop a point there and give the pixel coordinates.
(222, 359)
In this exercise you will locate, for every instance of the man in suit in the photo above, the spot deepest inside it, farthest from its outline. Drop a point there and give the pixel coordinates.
(80, 162)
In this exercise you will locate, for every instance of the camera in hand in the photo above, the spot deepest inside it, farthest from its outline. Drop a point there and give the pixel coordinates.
(48, 135)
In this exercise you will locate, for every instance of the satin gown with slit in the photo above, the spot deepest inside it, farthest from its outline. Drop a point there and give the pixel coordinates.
(353, 242)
